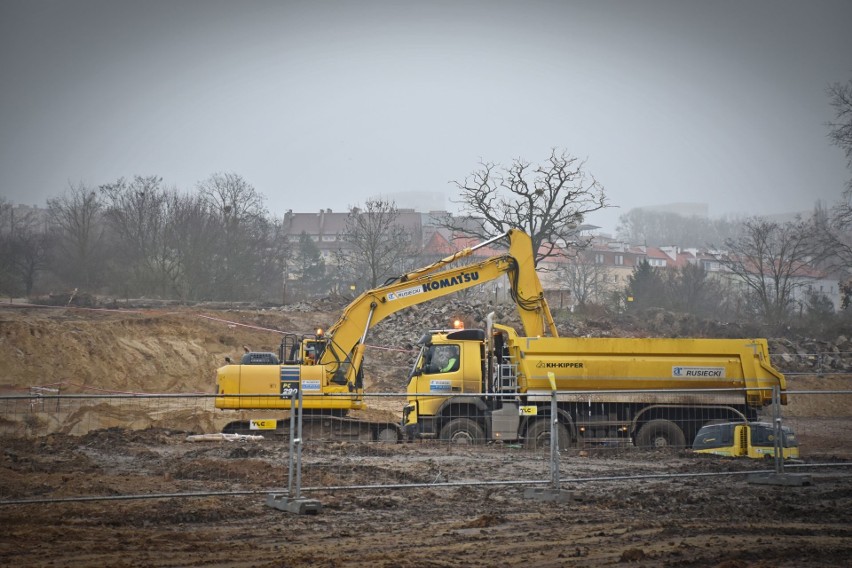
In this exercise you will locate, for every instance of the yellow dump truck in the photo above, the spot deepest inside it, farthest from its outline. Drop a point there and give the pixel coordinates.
(610, 390)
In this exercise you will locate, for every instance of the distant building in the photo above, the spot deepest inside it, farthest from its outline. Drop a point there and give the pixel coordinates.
(613, 261)
(327, 228)
(684, 209)
(418, 200)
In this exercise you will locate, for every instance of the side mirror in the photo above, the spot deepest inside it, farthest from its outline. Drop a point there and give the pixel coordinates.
(227, 360)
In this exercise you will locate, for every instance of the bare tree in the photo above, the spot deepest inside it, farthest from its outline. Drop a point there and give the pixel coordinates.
(379, 245)
(138, 215)
(548, 201)
(588, 281)
(280, 259)
(772, 261)
(244, 225)
(841, 129)
(76, 218)
(30, 243)
(833, 236)
(192, 233)
(232, 196)
(6, 218)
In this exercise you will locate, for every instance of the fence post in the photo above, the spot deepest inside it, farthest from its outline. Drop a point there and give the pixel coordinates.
(554, 434)
(291, 454)
(779, 477)
(298, 442)
(776, 420)
(553, 493)
(554, 443)
(293, 501)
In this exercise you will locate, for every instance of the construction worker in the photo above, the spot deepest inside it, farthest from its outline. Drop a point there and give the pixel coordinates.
(452, 364)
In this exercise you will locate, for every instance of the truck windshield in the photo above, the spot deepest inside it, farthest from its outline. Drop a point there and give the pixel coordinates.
(441, 359)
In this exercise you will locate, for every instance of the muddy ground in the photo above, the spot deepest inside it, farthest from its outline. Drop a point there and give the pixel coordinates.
(680, 521)
(689, 519)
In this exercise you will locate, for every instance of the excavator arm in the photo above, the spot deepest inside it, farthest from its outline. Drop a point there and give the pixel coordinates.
(346, 338)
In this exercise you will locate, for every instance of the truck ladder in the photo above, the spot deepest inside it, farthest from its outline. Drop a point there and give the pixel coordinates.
(507, 380)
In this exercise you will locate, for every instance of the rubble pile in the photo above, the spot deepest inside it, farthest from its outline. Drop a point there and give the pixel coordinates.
(812, 355)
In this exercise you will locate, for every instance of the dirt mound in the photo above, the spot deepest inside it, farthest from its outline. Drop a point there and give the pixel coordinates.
(175, 351)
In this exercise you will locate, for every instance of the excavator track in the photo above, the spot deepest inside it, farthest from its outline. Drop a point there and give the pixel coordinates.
(320, 428)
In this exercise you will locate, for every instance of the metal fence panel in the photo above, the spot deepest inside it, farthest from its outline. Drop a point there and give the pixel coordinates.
(59, 447)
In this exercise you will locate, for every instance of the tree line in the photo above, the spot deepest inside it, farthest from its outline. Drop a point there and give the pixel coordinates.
(138, 237)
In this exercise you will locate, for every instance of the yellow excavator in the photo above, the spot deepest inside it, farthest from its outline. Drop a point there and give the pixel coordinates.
(327, 367)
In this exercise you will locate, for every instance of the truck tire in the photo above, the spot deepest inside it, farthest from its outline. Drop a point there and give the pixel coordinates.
(463, 431)
(538, 435)
(660, 434)
(387, 435)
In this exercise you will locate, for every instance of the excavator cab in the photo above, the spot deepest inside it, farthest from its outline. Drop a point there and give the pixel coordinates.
(312, 350)
(301, 350)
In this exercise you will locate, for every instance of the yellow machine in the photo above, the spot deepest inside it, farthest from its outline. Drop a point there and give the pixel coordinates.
(493, 384)
(327, 368)
(753, 440)
(610, 390)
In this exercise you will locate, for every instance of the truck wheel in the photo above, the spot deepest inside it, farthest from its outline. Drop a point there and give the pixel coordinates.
(660, 434)
(387, 435)
(538, 435)
(462, 431)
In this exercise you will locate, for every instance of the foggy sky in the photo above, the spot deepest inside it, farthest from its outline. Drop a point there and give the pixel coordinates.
(325, 104)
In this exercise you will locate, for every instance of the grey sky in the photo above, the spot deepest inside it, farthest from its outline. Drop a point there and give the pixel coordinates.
(324, 104)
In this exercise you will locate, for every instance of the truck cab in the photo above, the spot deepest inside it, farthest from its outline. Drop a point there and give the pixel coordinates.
(449, 365)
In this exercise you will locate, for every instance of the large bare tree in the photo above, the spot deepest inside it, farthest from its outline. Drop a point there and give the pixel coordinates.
(192, 234)
(379, 244)
(834, 223)
(549, 201)
(244, 228)
(841, 129)
(138, 214)
(772, 260)
(76, 217)
(30, 245)
(24, 247)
